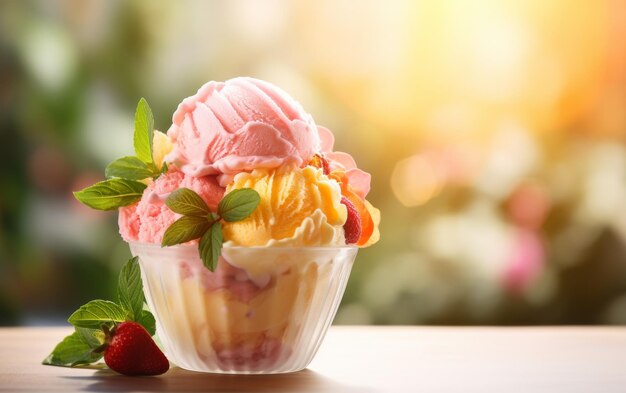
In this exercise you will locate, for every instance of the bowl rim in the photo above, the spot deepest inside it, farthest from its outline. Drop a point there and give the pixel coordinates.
(188, 246)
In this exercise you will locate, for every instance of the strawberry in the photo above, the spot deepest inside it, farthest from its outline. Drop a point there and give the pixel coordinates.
(325, 165)
(367, 223)
(131, 351)
(319, 161)
(352, 227)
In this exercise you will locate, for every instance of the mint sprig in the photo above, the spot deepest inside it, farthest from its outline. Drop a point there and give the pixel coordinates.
(111, 194)
(146, 319)
(210, 246)
(130, 289)
(91, 320)
(73, 351)
(144, 129)
(238, 205)
(97, 313)
(129, 168)
(185, 229)
(185, 201)
(123, 187)
(198, 222)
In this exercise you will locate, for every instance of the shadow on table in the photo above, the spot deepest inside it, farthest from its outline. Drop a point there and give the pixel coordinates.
(180, 380)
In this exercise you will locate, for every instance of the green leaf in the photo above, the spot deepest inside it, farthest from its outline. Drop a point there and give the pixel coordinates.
(129, 168)
(147, 320)
(187, 202)
(96, 313)
(72, 351)
(238, 204)
(164, 167)
(144, 128)
(185, 229)
(92, 337)
(130, 289)
(111, 194)
(210, 246)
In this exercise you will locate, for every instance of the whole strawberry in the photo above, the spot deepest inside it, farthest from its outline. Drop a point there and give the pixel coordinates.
(121, 332)
(131, 351)
(352, 227)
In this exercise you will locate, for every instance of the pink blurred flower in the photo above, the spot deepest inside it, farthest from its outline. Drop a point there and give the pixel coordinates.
(528, 205)
(525, 261)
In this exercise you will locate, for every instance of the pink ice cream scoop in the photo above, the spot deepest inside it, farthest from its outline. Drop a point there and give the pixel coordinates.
(240, 125)
(147, 220)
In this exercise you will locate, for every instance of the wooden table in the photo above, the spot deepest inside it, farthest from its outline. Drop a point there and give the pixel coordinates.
(367, 359)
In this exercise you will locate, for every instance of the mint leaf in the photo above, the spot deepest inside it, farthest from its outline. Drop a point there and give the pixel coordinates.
(96, 313)
(72, 351)
(147, 321)
(111, 194)
(185, 229)
(130, 289)
(129, 168)
(92, 337)
(144, 128)
(130, 294)
(187, 202)
(238, 204)
(210, 246)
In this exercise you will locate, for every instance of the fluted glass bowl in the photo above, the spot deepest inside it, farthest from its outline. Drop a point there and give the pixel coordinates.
(264, 310)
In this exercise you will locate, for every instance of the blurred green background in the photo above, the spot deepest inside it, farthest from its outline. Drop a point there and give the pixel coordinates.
(494, 131)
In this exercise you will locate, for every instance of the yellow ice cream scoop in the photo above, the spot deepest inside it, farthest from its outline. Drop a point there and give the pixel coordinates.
(299, 207)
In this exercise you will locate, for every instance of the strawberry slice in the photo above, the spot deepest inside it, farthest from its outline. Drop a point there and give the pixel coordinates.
(367, 223)
(130, 350)
(352, 227)
(319, 161)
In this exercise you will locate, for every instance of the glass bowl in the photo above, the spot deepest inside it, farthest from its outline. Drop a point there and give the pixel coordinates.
(263, 311)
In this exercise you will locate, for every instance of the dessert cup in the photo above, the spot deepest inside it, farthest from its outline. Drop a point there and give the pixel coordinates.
(264, 310)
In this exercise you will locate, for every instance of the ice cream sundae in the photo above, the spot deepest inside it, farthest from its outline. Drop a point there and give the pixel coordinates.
(245, 223)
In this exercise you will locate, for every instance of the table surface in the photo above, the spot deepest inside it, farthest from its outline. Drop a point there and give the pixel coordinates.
(367, 359)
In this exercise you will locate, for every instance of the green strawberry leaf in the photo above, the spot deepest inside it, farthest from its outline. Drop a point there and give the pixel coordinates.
(129, 168)
(96, 313)
(147, 321)
(144, 128)
(187, 202)
(185, 229)
(238, 204)
(111, 194)
(210, 246)
(72, 351)
(130, 289)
